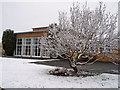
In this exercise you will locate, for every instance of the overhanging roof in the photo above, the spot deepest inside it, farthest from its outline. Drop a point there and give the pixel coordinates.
(31, 32)
(40, 27)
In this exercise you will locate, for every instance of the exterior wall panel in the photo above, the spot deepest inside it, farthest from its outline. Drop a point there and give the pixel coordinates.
(40, 29)
(35, 34)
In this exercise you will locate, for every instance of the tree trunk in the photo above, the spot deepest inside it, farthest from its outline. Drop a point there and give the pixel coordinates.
(75, 69)
(73, 65)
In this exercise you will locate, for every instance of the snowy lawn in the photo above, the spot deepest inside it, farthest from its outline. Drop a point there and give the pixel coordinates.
(18, 73)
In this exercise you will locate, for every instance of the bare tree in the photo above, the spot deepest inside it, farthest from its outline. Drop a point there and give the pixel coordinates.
(85, 34)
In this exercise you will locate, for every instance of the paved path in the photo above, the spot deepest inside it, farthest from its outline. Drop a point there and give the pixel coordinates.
(99, 66)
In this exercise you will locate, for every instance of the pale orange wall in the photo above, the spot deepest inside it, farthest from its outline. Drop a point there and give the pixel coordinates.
(39, 29)
(36, 34)
(105, 59)
(113, 55)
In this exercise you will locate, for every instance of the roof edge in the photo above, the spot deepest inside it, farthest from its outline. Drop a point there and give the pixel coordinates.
(40, 27)
(32, 32)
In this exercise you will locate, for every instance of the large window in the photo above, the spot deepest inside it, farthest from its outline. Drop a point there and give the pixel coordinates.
(19, 46)
(36, 46)
(27, 46)
(31, 46)
(45, 51)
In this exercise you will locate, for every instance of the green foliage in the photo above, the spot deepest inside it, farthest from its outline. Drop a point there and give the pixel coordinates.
(9, 42)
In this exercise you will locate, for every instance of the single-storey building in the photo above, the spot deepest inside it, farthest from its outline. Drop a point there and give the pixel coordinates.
(30, 44)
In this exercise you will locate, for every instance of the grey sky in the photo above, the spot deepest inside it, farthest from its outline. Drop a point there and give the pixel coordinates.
(22, 16)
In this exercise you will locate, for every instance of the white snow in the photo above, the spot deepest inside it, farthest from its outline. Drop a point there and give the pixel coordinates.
(19, 73)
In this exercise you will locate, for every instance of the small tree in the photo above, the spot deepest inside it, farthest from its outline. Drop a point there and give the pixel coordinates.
(85, 34)
(8, 42)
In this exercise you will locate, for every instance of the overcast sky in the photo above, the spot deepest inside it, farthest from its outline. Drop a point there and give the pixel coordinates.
(22, 16)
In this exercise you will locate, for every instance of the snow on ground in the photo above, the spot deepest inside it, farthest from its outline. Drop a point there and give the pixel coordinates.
(0, 72)
(18, 73)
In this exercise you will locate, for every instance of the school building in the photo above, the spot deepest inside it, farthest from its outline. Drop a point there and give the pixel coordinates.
(30, 44)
